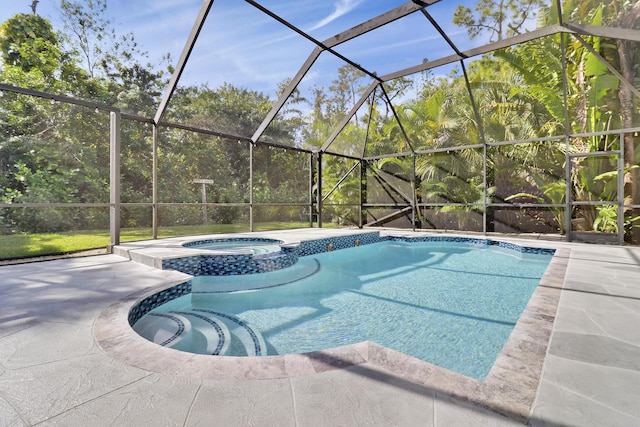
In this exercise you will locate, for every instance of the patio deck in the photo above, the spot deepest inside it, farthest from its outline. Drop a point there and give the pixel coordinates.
(54, 371)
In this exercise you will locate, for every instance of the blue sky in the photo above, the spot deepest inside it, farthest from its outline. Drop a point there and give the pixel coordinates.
(243, 46)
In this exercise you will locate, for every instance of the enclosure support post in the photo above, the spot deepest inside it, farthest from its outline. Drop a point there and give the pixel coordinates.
(319, 189)
(413, 191)
(310, 190)
(114, 180)
(251, 186)
(621, 191)
(485, 186)
(568, 195)
(483, 139)
(154, 183)
(363, 191)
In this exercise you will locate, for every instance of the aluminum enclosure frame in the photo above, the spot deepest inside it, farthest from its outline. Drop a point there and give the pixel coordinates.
(315, 157)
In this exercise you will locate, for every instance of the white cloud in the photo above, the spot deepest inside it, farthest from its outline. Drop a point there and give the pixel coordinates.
(341, 7)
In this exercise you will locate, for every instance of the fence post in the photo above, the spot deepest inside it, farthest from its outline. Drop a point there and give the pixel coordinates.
(251, 183)
(311, 167)
(114, 179)
(154, 184)
(319, 188)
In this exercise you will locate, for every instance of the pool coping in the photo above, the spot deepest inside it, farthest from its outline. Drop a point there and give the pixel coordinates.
(509, 389)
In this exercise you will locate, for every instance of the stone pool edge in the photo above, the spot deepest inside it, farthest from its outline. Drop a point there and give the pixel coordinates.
(509, 388)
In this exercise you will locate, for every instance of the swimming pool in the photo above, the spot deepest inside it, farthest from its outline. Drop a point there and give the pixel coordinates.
(453, 304)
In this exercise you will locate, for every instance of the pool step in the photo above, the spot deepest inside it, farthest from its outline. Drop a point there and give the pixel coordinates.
(165, 329)
(208, 335)
(202, 331)
(247, 341)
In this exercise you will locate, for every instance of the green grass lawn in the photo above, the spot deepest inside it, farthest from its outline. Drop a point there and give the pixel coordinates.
(29, 245)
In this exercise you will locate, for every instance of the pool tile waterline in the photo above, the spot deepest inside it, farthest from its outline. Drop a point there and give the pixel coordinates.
(206, 264)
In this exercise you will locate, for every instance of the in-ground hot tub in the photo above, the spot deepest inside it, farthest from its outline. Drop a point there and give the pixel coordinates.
(256, 246)
(230, 256)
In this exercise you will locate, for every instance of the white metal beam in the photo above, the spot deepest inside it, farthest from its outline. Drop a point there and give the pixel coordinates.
(511, 41)
(607, 32)
(184, 57)
(331, 42)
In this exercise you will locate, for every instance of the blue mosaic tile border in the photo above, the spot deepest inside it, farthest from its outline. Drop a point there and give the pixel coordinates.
(189, 265)
(475, 241)
(238, 264)
(226, 265)
(311, 247)
(526, 249)
(231, 264)
(451, 239)
(157, 299)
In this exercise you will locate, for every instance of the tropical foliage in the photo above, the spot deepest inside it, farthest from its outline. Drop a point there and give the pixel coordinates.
(453, 131)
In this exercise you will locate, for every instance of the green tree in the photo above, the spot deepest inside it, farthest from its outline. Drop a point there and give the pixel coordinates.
(58, 153)
(112, 58)
(280, 175)
(595, 99)
(28, 42)
(345, 90)
(44, 155)
(500, 18)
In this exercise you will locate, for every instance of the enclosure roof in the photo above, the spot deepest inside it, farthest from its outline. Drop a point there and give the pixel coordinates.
(446, 44)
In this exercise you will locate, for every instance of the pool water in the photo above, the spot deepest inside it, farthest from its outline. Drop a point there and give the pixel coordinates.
(451, 304)
(257, 247)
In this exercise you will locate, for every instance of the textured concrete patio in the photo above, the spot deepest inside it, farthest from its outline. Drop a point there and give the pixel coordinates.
(54, 369)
